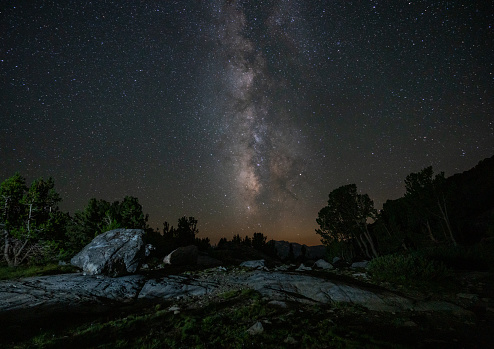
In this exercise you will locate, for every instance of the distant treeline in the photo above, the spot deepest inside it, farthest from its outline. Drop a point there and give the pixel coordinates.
(34, 230)
(434, 211)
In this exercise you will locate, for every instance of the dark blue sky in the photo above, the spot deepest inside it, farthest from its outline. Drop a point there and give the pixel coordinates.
(243, 114)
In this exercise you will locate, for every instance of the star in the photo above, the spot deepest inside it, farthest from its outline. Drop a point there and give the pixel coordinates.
(244, 115)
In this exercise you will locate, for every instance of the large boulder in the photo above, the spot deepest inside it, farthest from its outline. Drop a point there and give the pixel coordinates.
(311, 252)
(115, 253)
(183, 256)
(204, 260)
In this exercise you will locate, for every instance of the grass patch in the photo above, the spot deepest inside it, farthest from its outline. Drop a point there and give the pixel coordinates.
(229, 294)
(22, 271)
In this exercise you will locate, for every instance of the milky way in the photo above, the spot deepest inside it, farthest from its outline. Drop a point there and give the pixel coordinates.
(262, 145)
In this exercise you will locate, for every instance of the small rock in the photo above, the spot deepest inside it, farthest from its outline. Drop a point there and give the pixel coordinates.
(149, 248)
(256, 329)
(175, 309)
(362, 265)
(340, 263)
(322, 264)
(290, 340)
(257, 264)
(361, 276)
(409, 324)
(303, 268)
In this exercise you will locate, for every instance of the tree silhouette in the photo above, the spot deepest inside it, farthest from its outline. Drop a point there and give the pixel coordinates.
(291, 255)
(100, 216)
(258, 241)
(344, 219)
(427, 197)
(247, 241)
(237, 239)
(30, 218)
(186, 231)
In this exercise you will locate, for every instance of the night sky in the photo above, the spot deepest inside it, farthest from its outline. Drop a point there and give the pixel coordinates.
(243, 114)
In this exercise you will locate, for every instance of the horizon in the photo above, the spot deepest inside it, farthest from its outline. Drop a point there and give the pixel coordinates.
(309, 241)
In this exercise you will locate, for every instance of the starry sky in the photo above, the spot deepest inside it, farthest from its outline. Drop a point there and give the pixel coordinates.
(243, 114)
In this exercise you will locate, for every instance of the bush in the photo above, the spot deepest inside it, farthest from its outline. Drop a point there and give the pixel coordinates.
(407, 269)
(476, 257)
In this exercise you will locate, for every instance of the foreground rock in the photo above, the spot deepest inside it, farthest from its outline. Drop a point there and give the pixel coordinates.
(176, 287)
(183, 256)
(67, 290)
(115, 253)
(71, 291)
(304, 288)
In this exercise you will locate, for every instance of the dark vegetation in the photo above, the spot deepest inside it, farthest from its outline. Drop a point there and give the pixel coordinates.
(439, 223)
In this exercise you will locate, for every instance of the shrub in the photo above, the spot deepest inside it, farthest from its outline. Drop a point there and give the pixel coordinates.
(476, 257)
(407, 269)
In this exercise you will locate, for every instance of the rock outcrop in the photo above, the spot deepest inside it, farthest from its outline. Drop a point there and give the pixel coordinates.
(300, 287)
(69, 292)
(176, 287)
(115, 253)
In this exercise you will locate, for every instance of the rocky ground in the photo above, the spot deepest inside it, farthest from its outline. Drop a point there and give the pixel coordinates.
(297, 302)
